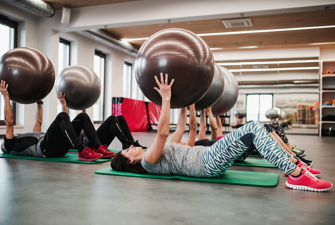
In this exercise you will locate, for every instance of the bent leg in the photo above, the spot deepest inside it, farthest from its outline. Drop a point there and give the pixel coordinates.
(219, 157)
(60, 137)
(83, 122)
(110, 129)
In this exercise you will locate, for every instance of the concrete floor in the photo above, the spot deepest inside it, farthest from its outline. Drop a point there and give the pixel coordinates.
(43, 193)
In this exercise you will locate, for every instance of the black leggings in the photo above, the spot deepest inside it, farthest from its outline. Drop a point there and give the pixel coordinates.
(205, 142)
(114, 127)
(63, 135)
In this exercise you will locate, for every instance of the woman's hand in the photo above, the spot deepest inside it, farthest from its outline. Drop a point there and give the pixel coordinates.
(61, 98)
(3, 89)
(164, 88)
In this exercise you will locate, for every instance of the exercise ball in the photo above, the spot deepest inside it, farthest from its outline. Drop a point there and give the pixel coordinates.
(181, 54)
(240, 113)
(80, 85)
(271, 114)
(29, 74)
(214, 91)
(229, 95)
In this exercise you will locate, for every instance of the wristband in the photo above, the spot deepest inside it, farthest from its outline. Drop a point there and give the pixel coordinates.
(40, 102)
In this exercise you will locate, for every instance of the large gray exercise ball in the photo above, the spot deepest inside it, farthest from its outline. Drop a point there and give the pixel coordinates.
(184, 56)
(214, 91)
(271, 114)
(240, 113)
(80, 85)
(29, 74)
(229, 95)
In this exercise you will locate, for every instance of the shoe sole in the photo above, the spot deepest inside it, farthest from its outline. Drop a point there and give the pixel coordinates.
(107, 157)
(84, 159)
(305, 188)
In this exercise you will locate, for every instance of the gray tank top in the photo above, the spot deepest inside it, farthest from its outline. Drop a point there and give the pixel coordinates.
(33, 150)
(178, 160)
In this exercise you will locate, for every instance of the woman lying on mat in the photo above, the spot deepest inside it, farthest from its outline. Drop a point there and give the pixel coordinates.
(199, 161)
(202, 140)
(56, 142)
(112, 127)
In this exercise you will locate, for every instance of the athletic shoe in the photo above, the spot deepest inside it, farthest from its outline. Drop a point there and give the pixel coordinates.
(306, 161)
(88, 155)
(136, 144)
(104, 151)
(298, 152)
(309, 169)
(307, 181)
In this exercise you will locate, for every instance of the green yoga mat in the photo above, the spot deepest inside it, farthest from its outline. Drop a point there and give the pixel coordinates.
(115, 150)
(230, 177)
(69, 158)
(255, 162)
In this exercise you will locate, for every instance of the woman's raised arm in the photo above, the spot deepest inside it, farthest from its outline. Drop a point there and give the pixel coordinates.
(164, 89)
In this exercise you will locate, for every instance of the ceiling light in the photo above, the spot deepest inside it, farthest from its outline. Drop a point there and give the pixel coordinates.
(248, 47)
(303, 81)
(266, 62)
(265, 31)
(324, 43)
(245, 32)
(275, 69)
(213, 49)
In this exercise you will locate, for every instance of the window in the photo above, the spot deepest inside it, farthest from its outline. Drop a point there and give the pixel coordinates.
(130, 86)
(257, 105)
(8, 41)
(127, 79)
(64, 53)
(99, 69)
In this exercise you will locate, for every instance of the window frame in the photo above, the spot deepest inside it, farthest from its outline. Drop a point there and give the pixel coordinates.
(4, 20)
(130, 77)
(68, 43)
(259, 96)
(104, 56)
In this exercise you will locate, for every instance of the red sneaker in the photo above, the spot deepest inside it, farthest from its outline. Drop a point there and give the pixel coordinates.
(309, 169)
(104, 151)
(88, 155)
(307, 181)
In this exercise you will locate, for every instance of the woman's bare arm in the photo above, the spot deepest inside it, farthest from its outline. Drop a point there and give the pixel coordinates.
(219, 126)
(212, 123)
(181, 124)
(193, 127)
(155, 151)
(9, 117)
(203, 125)
(39, 119)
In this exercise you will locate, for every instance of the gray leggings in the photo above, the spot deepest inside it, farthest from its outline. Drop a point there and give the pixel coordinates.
(220, 156)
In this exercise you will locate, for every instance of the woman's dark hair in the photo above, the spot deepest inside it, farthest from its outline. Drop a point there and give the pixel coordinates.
(121, 163)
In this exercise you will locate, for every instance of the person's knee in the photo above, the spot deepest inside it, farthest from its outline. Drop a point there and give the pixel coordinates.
(63, 115)
(83, 116)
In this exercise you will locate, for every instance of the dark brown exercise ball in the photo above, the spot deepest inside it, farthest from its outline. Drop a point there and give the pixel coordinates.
(29, 73)
(214, 91)
(80, 85)
(184, 57)
(229, 95)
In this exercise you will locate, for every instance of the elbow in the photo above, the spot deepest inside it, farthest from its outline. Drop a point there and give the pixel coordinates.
(9, 123)
(163, 134)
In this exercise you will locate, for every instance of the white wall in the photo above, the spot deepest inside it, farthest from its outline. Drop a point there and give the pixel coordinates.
(36, 32)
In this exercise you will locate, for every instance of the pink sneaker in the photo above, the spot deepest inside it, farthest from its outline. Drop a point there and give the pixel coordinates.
(104, 151)
(88, 155)
(307, 181)
(306, 167)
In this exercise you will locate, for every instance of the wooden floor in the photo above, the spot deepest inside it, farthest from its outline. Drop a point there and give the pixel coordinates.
(36, 192)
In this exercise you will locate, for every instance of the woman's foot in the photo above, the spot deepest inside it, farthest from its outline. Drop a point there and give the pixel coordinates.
(309, 169)
(104, 151)
(88, 155)
(298, 152)
(136, 144)
(306, 161)
(308, 182)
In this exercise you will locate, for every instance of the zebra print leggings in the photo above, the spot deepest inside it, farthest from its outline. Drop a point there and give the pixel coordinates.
(219, 157)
